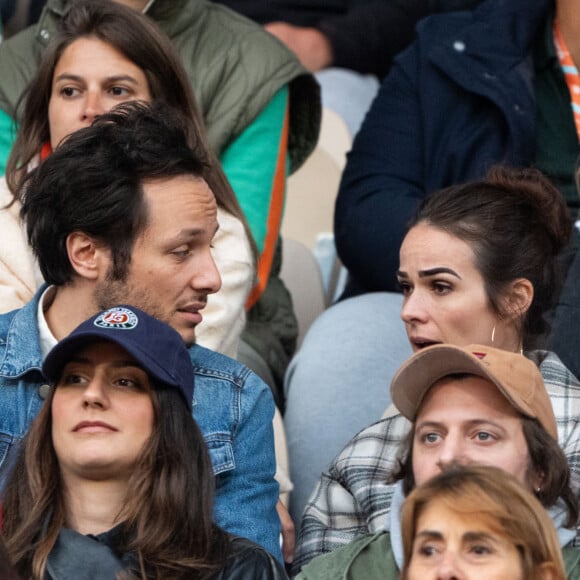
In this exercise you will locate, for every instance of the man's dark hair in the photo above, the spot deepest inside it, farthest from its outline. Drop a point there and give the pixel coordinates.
(93, 183)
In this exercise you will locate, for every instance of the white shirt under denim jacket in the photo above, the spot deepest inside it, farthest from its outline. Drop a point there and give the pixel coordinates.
(231, 405)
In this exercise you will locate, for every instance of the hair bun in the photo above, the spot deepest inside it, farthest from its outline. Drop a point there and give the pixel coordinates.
(547, 207)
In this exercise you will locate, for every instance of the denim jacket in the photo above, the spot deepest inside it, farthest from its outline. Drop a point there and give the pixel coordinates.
(233, 407)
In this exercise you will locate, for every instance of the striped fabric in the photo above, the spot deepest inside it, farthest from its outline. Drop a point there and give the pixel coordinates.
(570, 73)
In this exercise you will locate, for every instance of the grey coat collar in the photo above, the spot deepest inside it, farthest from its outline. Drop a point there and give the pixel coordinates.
(86, 557)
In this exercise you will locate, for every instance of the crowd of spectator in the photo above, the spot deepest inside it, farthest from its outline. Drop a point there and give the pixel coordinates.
(155, 411)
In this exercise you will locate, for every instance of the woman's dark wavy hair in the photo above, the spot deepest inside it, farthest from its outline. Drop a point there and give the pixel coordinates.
(6, 570)
(139, 39)
(516, 223)
(547, 460)
(168, 511)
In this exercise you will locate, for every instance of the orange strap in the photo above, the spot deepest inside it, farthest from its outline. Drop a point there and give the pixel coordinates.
(274, 218)
(570, 74)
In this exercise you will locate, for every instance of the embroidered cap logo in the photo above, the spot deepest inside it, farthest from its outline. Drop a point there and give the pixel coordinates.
(119, 318)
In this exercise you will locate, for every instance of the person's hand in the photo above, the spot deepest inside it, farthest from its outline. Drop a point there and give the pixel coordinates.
(288, 533)
(309, 44)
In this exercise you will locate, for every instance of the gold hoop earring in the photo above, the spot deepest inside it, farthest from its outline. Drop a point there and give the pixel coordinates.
(492, 335)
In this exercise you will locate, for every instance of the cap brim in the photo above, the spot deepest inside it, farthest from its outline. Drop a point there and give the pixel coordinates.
(411, 383)
(66, 348)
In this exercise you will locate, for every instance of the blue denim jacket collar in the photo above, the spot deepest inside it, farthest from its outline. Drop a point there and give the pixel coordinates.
(22, 353)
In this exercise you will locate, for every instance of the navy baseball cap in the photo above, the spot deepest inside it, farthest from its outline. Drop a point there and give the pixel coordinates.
(158, 349)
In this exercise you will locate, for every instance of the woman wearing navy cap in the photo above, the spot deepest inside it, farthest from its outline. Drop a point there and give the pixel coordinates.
(115, 480)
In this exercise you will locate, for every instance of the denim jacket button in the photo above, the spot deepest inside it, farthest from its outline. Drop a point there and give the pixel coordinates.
(43, 391)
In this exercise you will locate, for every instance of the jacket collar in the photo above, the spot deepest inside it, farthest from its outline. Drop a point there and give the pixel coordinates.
(49, 20)
(167, 13)
(179, 17)
(497, 32)
(393, 524)
(545, 51)
(488, 52)
(22, 353)
(86, 557)
(512, 25)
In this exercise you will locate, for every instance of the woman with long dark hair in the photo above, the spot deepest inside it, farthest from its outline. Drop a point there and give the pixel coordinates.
(114, 479)
(105, 54)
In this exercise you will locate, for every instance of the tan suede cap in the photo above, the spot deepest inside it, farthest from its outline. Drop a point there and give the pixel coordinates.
(517, 378)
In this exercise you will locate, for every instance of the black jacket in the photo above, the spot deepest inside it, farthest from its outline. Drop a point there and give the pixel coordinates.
(365, 34)
(79, 557)
(248, 561)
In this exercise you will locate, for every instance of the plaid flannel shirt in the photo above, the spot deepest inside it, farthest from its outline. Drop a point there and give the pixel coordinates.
(353, 499)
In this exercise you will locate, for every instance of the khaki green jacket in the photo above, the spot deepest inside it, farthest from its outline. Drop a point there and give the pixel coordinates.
(371, 558)
(234, 67)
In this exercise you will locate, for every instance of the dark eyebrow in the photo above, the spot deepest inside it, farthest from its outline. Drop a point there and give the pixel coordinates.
(188, 233)
(430, 272)
(478, 537)
(430, 534)
(471, 423)
(77, 78)
(440, 270)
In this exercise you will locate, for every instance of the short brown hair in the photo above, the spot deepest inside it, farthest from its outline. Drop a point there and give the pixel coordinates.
(498, 498)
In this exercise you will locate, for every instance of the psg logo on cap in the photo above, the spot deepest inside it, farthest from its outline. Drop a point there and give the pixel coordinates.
(119, 318)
